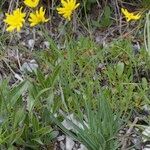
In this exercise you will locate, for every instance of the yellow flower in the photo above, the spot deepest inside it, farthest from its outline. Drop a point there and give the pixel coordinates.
(15, 20)
(68, 6)
(37, 17)
(130, 16)
(31, 3)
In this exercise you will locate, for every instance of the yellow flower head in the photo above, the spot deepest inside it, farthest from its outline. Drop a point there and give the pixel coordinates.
(130, 16)
(15, 20)
(31, 3)
(37, 17)
(68, 6)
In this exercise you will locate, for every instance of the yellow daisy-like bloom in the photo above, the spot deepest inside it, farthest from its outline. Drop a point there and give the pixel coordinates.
(31, 3)
(15, 20)
(37, 17)
(130, 16)
(68, 6)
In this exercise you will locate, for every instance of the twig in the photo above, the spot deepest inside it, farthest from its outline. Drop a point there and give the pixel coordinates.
(125, 139)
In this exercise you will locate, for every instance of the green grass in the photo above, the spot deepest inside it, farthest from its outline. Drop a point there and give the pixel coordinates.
(99, 98)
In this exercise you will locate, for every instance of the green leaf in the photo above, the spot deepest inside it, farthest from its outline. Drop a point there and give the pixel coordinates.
(43, 131)
(106, 20)
(38, 140)
(42, 92)
(144, 83)
(19, 117)
(17, 91)
(120, 68)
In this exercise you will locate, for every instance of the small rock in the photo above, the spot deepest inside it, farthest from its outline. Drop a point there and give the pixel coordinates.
(31, 66)
(146, 108)
(61, 138)
(69, 143)
(31, 43)
(136, 47)
(62, 146)
(76, 145)
(137, 143)
(82, 147)
(46, 44)
(23, 43)
(147, 148)
(146, 132)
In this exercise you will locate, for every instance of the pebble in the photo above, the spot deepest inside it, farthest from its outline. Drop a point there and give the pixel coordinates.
(62, 145)
(29, 66)
(146, 133)
(31, 43)
(61, 138)
(46, 44)
(69, 143)
(148, 148)
(82, 147)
